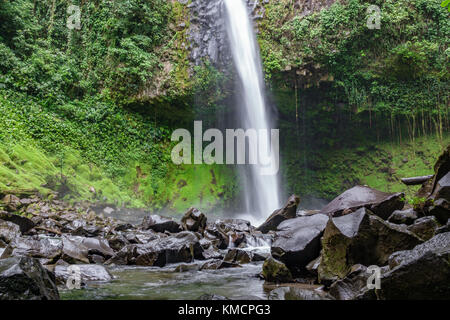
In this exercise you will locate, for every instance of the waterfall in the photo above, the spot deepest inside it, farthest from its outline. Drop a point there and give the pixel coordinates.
(261, 192)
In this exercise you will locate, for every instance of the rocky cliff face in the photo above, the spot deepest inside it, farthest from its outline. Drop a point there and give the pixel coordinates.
(206, 32)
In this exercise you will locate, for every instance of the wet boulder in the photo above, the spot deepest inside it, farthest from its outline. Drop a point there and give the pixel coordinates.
(24, 223)
(160, 224)
(25, 279)
(420, 273)
(297, 241)
(242, 256)
(360, 238)
(441, 210)
(425, 227)
(212, 297)
(96, 246)
(278, 216)
(181, 247)
(11, 202)
(194, 220)
(354, 285)
(380, 203)
(35, 247)
(407, 216)
(276, 271)
(85, 272)
(219, 264)
(8, 231)
(442, 188)
(80, 227)
(74, 251)
(297, 293)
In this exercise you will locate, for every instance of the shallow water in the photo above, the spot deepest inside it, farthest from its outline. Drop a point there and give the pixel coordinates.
(139, 283)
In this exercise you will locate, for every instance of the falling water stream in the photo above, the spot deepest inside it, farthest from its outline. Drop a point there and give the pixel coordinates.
(261, 192)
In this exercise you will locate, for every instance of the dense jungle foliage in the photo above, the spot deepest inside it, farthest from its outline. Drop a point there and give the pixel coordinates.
(89, 112)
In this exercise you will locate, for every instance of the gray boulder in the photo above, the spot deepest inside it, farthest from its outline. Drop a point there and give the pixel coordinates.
(278, 216)
(26, 279)
(87, 273)
(160, 224)
(194, 220)
(360, 238)
(407, 216)
(380, 203)
(420, 273)
(276, 271)
(297, 241)
(425, 227)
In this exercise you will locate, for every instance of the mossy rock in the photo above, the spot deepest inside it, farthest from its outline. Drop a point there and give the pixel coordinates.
(276, 271)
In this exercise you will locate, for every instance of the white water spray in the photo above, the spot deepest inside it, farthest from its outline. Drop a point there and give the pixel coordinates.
(261, 193)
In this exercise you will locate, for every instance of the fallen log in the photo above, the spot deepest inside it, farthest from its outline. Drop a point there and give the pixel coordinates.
(416, 180)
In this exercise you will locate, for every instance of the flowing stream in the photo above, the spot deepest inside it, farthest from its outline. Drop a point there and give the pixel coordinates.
(261, 192)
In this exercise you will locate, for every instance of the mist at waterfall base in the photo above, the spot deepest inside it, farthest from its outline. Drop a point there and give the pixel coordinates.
(261, 193)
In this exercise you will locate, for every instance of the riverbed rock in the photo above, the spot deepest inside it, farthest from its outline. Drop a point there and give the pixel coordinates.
(86, 273)
(278, 216)
(219, 264)
(74, 251)
(8, 231)
(24, 223)
(181, 247)
(441, 210)
(35, 247)
(242, 256)
(424, 227)
(11, 202)
(276, 271)
(297, 241)
(420, 273)
(160, 224)
(360, 238)
(25, 279)
(380, 203)
(407, 216)
(297, 293)
(194, 220)
(353, 286)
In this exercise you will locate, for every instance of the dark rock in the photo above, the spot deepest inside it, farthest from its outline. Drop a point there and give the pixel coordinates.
(380, 203)
(12, 202)
(297, 293)
(8, 231)
(360, 238)
(441, 210)
(313, 266)
(187, 268)
(442, 188)
(276, 271)
(95, 246)
(123, 227)
(24, 224)
(74, 251)
(239, 256)
(181, 247)
(161, 224)
(218, 264)
(278, 216)
(194, 220)
(212, 297)
(425, 227)
(444, 229)
(26, 279)
(353, 286)
(117, 242)
(297, 241)
(420, 273)
(87, 273)
(404, 216)
(35, 247)
(96, 259)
